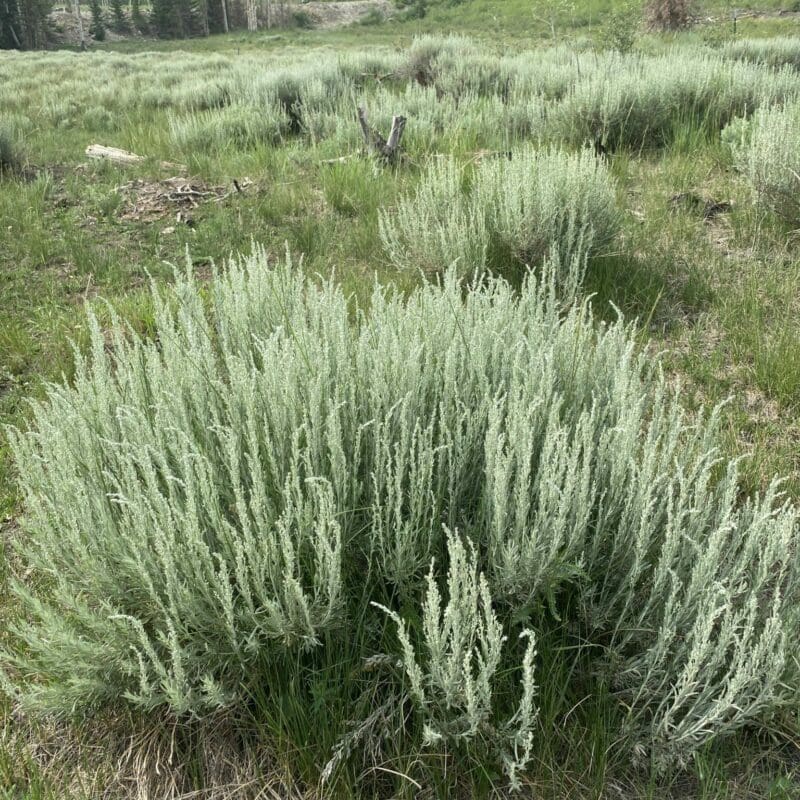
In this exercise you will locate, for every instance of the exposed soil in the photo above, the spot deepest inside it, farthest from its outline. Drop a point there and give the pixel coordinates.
(339, 15)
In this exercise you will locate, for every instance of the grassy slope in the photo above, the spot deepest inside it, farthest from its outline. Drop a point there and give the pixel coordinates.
(714, 296)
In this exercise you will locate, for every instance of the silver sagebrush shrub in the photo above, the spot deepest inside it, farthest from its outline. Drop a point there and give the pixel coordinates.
(518, 210)
(213, 508)
(540, 202)
(767, 151)
(436, 227)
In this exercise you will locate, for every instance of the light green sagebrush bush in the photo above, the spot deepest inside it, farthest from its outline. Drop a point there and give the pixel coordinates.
(544, 201)
(639, 101)
(766, 149)
(777, 51)
(518, 210)
(464, 643)
(436, 227)
(218, 509)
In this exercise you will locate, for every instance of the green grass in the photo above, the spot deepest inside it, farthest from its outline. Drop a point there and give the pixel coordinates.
(718, 297)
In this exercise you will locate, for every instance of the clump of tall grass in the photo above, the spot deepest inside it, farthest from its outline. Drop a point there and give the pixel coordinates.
(517, 211)
(10, 150)
(227, 128)
(213, 515)
(766, 150)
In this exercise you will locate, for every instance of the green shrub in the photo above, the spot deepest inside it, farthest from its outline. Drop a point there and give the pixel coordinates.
(766, 149)
(518, 211)
(642, 102)
(454, 689)
(544, 201)
(302, 19)
(211, 515)
(97, 118)
(373, 17)
(437, 226)
(776, 51)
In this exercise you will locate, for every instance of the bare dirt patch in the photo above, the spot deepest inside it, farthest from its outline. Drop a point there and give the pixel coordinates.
(339, 15)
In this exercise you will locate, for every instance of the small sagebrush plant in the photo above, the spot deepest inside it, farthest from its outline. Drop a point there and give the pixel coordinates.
(518, 211)
(437, 226)
(766, 150)
(212, 514)
(544, 201)
(453, 686)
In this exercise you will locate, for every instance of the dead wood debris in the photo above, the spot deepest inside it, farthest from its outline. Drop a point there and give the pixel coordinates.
(708, 208)
(145, 201)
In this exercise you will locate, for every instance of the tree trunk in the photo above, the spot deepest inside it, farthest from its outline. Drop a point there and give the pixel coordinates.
(252, 15)
(224, 16)
(76, 10)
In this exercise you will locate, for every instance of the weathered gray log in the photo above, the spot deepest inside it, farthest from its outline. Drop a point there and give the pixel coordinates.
(123, 157)
(386, 149)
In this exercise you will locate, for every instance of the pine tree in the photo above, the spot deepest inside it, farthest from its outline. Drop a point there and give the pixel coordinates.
(98, 27)
(33, 18)
(10, 26)
(176, 19)
(120, 21)
(139, 20)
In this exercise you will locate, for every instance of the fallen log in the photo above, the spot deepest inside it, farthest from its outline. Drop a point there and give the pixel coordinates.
(123, 157)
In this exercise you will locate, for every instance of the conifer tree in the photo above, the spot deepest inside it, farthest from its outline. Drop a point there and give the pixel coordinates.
(33, 18)
(177, 19)
(138, 19)
(119, 23)
(10, 26)
(98, 27)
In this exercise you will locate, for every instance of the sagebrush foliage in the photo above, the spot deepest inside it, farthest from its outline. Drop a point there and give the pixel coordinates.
(520, 207)
(454, 685)
(766, 149)
(457, 95)
(210, 509)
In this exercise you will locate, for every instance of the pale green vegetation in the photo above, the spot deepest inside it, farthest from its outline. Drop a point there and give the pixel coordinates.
(203, 507)
(521, 206)
(766, 149)
(385, 505)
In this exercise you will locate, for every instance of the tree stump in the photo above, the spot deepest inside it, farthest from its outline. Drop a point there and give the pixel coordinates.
(387, 150)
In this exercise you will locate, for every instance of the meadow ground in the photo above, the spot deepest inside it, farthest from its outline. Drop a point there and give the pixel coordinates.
(702, 262)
